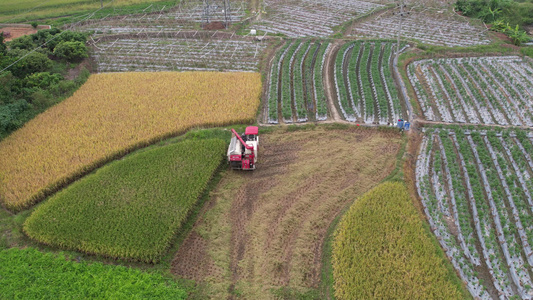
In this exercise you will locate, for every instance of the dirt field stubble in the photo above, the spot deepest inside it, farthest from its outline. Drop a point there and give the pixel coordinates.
(264, 230)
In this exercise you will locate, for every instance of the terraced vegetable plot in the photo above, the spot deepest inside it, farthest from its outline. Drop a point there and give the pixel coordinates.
(185, 51)
(313, 18)
(365, 88)
(296, 90)
(488, 90)
(185, 15)
(476, 190)
(429, 28)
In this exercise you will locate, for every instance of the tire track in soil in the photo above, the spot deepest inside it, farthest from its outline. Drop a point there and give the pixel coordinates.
(279, 213)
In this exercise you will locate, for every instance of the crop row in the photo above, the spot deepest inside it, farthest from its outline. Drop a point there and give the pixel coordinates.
(476, 192)
(425, 28)
(295, 86)
(131, 208)
(159, 54)
(111, 114)
(364, 83)
(310, 18)
(488, 90)
(401, 263)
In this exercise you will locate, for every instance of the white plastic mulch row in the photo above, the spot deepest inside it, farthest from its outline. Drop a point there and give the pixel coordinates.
(153, 54)
(424, 27)
(437, 223)
(518, 273)
(483, 226)
(489, 90)
(303, 18)
(338, 77)
(291, 84)
(184, 15)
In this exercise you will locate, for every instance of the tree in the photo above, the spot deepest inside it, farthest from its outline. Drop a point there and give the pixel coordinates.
(3, 46)
(24, 42)
(71, 51)
(33, 62)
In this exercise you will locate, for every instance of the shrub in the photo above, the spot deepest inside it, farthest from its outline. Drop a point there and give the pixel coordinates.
(71, 51)
(42, 79)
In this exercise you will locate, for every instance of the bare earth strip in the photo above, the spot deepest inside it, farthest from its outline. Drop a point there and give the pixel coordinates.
(264, 230)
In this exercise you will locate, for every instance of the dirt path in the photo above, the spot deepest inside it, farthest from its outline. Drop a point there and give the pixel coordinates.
(264, 230)
(329, 87)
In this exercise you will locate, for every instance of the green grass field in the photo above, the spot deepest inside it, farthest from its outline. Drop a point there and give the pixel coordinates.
(14, 11)
(30, 274)
(131, 208)
(381, 250)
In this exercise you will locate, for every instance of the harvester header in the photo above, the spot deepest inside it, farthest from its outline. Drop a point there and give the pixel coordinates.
(242, 150)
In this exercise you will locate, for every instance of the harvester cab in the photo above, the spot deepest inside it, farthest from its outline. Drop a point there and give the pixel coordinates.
(242, 150)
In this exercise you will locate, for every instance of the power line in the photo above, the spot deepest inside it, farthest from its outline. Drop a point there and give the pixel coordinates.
(53, 38)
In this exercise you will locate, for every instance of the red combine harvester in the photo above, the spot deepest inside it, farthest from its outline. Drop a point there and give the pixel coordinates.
(242, 151)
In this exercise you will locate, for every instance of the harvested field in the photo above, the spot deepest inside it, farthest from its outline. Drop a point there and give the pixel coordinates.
(264, 230)
(312, 18)
(441, 28)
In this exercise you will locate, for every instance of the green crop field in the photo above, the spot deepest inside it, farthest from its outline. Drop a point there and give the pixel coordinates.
(16, 11)
(131, 208)
(381, 250)
(30, 274)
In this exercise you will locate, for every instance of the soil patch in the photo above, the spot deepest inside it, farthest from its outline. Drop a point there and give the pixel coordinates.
(12, 32)
(265, 229)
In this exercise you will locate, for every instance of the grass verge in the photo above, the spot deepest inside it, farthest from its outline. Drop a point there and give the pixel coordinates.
(30, 274)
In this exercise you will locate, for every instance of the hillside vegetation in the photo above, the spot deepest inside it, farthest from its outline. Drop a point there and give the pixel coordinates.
(30, 274)
(109, 116)
(131, 208)
(382, 251)
(20, 11)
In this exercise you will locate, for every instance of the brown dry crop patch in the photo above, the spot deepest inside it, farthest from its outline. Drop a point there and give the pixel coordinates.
(18, 30)
(265, 229)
